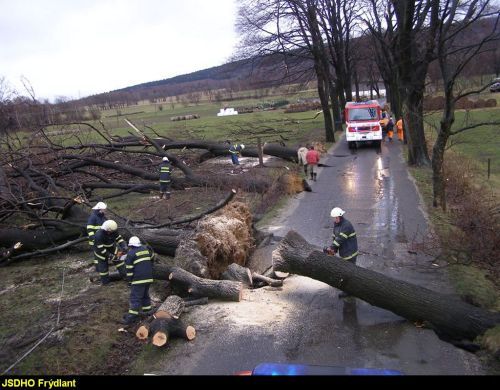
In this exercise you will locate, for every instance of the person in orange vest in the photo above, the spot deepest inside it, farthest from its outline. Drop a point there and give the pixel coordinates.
(399, 126)
(390, 129)
(383, 123)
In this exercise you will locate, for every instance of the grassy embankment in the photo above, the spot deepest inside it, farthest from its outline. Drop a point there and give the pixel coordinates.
(469, 151)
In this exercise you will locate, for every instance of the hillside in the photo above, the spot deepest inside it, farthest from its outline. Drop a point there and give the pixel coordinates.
(251, 74)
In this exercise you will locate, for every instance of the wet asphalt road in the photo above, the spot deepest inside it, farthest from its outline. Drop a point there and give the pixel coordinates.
(306, 322)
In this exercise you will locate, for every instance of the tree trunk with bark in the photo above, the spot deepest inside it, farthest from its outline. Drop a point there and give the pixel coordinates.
(438, 183)
(413, 117)
(200, 287)
(452, 319)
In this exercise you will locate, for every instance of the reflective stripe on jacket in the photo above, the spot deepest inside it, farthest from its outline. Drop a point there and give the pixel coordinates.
(344, 239)
(235, 149)
(139, 265)
(106, 244)
(94, 223)
(165, 169)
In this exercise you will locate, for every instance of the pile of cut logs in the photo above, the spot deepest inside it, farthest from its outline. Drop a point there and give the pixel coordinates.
(166, 324)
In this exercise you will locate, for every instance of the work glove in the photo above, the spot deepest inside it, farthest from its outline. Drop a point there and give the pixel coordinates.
(329, 251)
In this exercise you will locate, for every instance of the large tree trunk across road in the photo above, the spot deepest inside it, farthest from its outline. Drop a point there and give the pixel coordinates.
(451, 318)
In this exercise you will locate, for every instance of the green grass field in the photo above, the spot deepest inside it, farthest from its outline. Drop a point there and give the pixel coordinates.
(271, 126)
(479, 144)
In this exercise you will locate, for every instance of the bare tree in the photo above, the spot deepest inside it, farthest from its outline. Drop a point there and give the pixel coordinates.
(457, 45)
(405, 34)
(289, 29)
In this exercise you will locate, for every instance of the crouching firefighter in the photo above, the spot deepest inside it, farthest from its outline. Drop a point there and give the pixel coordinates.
(139, 263)
(109, 246)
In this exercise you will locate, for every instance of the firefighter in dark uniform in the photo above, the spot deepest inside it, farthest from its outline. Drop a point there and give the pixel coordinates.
(109, 245)
(95, 221)
(165, 171)
(235, 152)
(345, 242)
(139, 263)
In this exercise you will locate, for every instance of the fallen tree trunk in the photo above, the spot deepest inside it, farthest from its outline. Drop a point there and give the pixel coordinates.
(38, 238)
(222, 149)
(452, 319)
(200, 287)
(195, 302)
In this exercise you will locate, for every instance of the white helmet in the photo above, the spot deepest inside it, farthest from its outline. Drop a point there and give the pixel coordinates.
(165, 158)
(242, 146)
(100, 206)
(109, 225)
(134, 241)
(337, 212)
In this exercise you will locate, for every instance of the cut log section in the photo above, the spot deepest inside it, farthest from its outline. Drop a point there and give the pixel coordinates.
(200, 287)
(269, 281)
(163, 329)
(238, 273)
(452, 319)
(248, 278)
(172, 307)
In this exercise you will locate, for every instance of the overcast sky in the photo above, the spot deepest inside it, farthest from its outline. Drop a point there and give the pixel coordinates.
(76, 48)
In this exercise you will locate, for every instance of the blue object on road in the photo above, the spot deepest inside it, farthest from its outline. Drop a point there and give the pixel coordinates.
(305, 369)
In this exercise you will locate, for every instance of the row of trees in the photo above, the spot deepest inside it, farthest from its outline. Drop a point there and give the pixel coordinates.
(401, 39)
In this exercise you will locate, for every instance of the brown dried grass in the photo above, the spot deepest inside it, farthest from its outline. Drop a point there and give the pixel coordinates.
(292, 183)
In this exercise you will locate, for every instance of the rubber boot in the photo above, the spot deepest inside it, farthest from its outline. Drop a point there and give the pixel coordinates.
(129, 319)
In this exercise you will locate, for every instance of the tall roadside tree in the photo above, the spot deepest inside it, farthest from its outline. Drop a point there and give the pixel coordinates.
(337, 19)
(466, 30)
(382, 35)
(306, 14)
(417, 22)
(406, 34)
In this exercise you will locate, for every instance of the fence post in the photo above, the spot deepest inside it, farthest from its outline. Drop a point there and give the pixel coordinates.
(259, 151)
(489, 168)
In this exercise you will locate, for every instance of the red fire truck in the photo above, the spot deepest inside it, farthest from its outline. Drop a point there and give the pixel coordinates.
(363, 122)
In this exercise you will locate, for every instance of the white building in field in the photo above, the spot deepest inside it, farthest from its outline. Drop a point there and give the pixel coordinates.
(227, 111)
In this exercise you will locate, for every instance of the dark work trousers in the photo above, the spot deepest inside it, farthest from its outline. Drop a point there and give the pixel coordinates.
(164, 187)
(353, 260)
(234, 159)
(139, 298)
(102, 269)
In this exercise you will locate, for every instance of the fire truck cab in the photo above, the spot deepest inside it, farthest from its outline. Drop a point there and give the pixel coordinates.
(363, 122)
